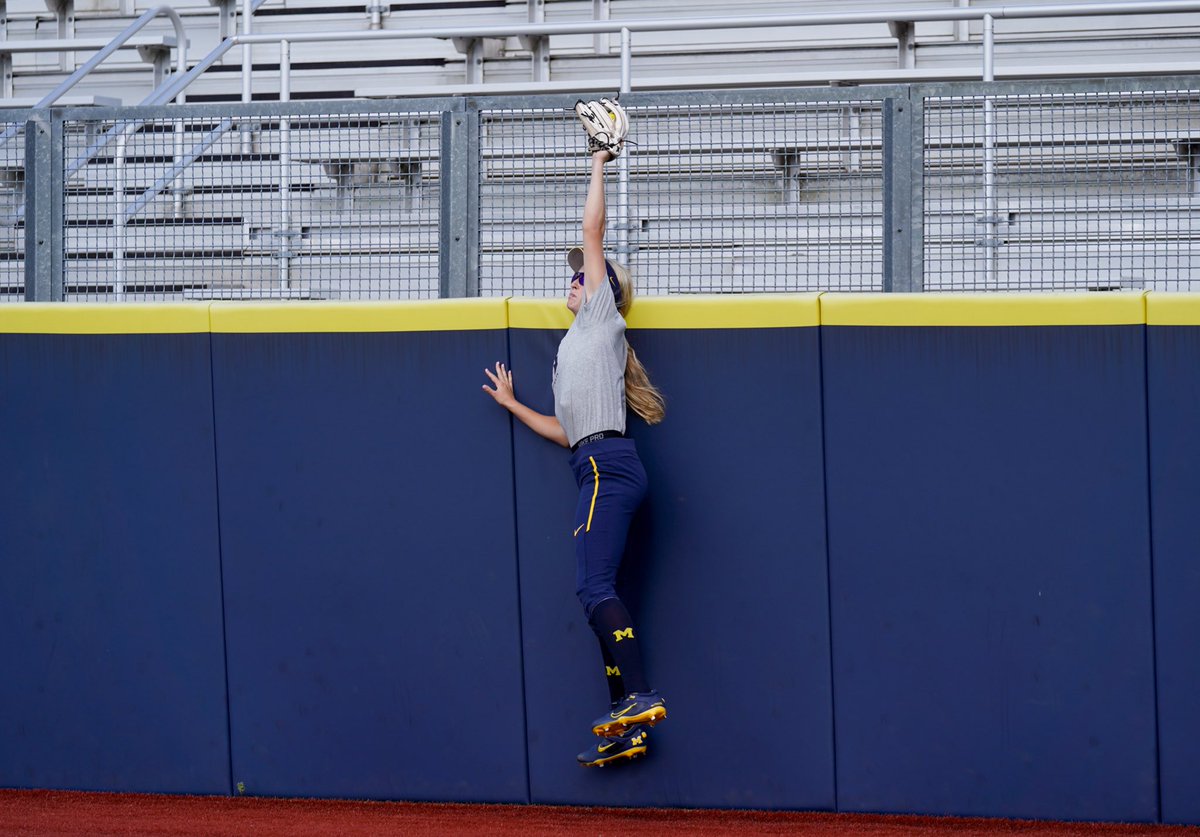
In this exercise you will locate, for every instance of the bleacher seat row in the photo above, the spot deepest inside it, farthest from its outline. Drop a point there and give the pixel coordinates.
(775, 198)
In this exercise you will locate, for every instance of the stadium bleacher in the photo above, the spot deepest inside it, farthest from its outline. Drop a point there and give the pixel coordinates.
(403, 67)
(364, 192)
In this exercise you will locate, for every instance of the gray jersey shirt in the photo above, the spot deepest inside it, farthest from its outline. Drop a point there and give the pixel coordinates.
(589, 371)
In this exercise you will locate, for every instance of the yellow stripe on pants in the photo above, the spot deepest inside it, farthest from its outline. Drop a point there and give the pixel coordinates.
(595, 492)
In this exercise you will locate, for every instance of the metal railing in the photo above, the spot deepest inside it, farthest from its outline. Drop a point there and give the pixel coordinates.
(535, 34)
(181, 49)
(900, 21)
(967, 185)
(882, 146)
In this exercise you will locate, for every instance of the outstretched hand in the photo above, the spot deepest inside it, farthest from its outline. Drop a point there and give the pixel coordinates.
(502, 379)
(545, 426)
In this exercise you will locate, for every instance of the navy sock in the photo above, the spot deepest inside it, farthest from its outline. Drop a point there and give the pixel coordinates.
(612, 674)
(610, 620)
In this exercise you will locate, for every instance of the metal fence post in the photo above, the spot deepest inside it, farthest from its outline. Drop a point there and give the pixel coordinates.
(43, 207)
(915, 111)
(899, 176)
(458, 249)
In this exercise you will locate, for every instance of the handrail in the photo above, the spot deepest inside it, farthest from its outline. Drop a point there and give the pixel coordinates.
(181, 46)
(537, 30)
(595, 27)
(512, 30)
(171, 89)
(132, 29)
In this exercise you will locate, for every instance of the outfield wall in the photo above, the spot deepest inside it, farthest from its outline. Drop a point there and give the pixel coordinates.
(927, 553)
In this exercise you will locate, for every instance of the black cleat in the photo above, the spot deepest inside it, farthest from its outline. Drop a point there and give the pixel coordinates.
(637, 708)
(626, 745)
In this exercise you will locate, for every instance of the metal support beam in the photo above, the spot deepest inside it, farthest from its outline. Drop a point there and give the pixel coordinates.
(376, 12)
(476, 51)
(902, 166)
(286, 233)
(458, 257)
(247, 130)
(226, 17)
(538, 45)
(905, 33)
(160, 60)
(539, 53)
(6, 75)
(43, 208)
(915, 113)
(625, 249)
(64, 15)
(601, 44)
(990, 220)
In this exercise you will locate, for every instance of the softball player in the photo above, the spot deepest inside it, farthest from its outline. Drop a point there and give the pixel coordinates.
(595, 376)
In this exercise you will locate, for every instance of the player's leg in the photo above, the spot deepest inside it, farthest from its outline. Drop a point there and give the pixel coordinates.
(612, 485)
(624, 744)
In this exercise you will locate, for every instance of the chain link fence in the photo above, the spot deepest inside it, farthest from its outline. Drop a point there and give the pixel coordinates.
(311, 206)
(1063, 191)
(1006, 186)
(12, 210)
(533, 179)
(723, 197)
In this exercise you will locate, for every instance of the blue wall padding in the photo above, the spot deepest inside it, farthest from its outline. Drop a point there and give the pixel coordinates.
(110, 596)
(328, 565)
(727, 572)
(370, 568)
(1174, 358)
(990, 571)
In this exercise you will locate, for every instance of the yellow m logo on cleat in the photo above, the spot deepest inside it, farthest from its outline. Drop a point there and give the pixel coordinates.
(637, 739)
(625, 634)
(612, 671)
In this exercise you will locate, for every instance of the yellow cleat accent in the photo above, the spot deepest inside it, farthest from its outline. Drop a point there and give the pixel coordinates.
(631, 753)
(650, 717)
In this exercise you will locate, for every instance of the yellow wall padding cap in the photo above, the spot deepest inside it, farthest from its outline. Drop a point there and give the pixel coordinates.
(726, 311)
(1164, 309)
(684, 312)
(104, 318)
(983, 309)
(315, 317)
(527, 312)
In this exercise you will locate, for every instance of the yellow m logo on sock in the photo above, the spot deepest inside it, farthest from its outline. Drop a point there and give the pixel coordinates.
(627, 633)
(612, 671)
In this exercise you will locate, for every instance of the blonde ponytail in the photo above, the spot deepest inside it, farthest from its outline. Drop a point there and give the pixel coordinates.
(641, 395)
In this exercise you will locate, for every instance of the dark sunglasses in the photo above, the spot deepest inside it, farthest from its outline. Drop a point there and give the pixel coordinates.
(613, 282)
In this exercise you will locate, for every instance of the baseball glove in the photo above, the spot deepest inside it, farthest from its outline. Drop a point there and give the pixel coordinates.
(606, 125)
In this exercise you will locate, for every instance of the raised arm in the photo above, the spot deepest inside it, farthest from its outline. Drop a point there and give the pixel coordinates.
(594, 219)
(545, 426)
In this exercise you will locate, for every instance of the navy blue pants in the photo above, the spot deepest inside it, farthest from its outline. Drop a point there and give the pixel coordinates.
(612, 484)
